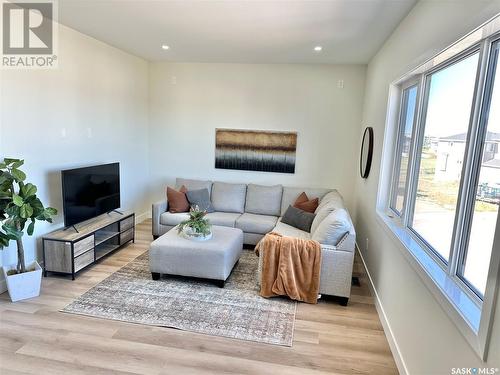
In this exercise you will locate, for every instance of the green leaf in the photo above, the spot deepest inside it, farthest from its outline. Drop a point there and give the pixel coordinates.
(51, 211)
(31, 228)
(37, 206)
(26, 211)
(28, 190)
(4, 240)
(10, 160)
(4, 194)
(3, 165)
(18, 175)
(18, 201)
(5, 179)
(12, 210)
(12, 233)
(17, 164)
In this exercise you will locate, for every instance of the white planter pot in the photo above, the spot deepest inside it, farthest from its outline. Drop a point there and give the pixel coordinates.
(24, 285)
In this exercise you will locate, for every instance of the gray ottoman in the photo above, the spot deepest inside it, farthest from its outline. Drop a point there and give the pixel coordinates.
(212, 259)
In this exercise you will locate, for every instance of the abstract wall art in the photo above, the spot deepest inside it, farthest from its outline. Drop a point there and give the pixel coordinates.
(255, 150)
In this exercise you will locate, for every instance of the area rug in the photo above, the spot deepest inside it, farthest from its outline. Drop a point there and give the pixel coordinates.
(236, 311)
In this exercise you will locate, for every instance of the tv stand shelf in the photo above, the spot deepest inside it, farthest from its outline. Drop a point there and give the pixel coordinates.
(69, 250)
(103, 236)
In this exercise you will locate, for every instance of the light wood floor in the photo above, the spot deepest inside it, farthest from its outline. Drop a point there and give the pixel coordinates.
(37, 339)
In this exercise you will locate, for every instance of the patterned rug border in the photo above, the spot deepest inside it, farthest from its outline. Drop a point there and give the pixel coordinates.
(185, 330)
(169, 326)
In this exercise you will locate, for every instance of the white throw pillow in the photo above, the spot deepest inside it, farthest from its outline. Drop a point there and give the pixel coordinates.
(331, 230)
(330, 202)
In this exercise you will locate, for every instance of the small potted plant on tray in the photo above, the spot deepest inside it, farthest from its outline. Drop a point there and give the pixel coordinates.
(197, 227)
(18, 206)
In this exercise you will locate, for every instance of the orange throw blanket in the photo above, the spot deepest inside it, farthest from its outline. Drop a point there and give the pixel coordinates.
(290, 266)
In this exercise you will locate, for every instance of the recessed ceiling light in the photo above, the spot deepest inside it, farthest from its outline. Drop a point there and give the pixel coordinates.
(165, 47)
(318, 48)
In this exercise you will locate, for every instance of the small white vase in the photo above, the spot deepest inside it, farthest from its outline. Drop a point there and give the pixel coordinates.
(23, 285)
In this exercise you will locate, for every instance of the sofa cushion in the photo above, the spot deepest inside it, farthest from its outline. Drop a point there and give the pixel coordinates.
(225, 219)
(253, 223)
(330, 202)
(331, 230)
(177, 201)
(289, 231)
(228, 197)
(290, 194)
(201, 199)
(333, 199)
(298, 218)
(194, 184)
(264, 200)
(172, 219)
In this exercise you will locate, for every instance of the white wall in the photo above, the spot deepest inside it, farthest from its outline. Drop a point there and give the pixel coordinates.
(188, 101)
(428, 340)
(95, 87)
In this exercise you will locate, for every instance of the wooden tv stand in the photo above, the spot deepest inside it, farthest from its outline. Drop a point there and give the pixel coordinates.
(68, 251)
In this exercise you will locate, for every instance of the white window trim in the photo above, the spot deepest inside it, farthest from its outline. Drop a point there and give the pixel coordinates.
(408, 84)
(472, 317)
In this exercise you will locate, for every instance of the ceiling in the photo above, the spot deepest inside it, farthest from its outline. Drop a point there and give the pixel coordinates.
(251, 31)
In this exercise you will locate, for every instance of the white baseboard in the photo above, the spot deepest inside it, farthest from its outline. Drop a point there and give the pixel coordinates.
(396, 353)
(141, 217)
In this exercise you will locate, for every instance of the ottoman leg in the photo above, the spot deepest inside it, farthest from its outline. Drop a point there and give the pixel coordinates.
(220, 283)
(343, 301)
(155, 275)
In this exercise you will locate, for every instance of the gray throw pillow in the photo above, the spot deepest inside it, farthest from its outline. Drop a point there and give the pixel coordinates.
(298, 218)
(200, 198)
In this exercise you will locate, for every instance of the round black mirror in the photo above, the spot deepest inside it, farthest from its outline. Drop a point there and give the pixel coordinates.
(365, 160)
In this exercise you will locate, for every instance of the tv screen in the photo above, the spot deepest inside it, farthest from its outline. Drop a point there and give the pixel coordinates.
(90, 191)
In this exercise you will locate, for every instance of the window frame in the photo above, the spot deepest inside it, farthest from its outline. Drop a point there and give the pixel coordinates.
(471, 314)
(407, 85)
(476, 150)
(447, 265)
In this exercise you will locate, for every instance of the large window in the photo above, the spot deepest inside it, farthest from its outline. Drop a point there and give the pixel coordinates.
(443, 196)
(439, 195)
(445, 127)
(453, 197)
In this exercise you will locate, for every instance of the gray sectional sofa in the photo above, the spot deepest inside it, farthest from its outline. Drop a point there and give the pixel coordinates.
(257, 210)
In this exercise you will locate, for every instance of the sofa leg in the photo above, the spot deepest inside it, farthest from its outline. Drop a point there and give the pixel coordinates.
(155, 275)
(343, 301)
(220, 283)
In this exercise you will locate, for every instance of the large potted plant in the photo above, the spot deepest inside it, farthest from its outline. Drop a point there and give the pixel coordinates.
(19, 206)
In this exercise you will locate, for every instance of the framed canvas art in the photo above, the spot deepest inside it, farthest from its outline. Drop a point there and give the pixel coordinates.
(255, 150)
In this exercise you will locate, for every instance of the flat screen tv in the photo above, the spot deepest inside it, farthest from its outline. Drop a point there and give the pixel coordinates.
(90, 191)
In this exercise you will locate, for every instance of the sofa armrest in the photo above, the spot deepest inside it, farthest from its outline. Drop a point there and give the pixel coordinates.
(346, 243)
(157, 209)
